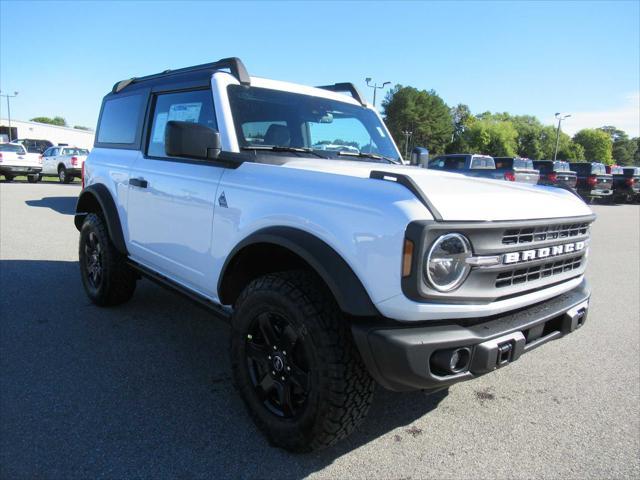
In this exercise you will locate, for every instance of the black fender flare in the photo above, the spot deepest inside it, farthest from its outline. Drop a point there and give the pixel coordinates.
(98, 193)
(344, 284)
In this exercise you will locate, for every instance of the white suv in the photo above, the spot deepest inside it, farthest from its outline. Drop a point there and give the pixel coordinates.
(336, 268)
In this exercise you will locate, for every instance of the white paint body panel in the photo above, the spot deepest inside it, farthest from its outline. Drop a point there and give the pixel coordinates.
(177, 227)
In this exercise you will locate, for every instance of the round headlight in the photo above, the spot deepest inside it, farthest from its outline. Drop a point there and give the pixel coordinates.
(446, 264)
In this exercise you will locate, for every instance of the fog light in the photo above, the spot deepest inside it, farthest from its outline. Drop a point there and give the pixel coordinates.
(449, 362)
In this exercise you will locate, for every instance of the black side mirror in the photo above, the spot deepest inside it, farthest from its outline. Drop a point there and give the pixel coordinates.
(420, 157)
(191, 140)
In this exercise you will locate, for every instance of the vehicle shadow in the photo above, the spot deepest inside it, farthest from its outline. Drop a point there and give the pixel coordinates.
(63, 205)
(143, 389)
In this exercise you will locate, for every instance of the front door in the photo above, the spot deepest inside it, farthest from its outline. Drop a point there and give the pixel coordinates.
(171, 200)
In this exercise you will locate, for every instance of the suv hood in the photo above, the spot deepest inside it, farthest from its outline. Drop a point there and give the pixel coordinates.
(460, 198)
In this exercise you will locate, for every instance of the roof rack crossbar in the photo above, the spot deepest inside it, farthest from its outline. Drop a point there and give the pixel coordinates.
(234, 64)
(346, 87)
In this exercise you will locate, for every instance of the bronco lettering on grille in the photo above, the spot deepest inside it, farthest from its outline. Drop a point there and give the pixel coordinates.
(528, 255)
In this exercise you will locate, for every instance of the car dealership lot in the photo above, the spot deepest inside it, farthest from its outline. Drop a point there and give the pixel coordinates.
(144, 389)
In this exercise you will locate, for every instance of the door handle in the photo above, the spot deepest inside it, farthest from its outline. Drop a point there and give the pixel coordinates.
(138, 182)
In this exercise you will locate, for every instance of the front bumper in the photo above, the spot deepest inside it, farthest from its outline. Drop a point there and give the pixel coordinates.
(400, 357)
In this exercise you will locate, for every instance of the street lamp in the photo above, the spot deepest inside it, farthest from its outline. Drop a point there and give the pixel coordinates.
(560, 117)
(407, 134)
(15, 94)
(375, 87)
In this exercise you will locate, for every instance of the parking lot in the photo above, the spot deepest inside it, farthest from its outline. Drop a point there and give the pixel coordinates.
(143, 390)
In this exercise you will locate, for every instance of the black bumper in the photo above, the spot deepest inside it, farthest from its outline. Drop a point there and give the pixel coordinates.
(19, 170)
(401, 357)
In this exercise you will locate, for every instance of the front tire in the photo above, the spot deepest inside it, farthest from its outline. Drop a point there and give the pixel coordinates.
(295, 364)
(106, 277)
(8, 178)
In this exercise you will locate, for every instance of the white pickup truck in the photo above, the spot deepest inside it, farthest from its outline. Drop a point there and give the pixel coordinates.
(336, 268)
(15, 161)
(63, 162)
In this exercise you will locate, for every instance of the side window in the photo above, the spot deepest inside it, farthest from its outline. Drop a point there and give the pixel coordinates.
(47, 152)
(195, 106)
(120, 120)
(54, 152)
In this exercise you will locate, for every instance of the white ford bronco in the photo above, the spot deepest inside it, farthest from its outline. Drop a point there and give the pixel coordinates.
(286, 210)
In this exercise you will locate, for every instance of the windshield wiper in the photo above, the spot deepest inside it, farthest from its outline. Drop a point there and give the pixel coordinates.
(280, 148)
(368, 155)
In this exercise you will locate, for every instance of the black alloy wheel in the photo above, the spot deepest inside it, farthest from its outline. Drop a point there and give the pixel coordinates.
(93, 260)
(277, 364)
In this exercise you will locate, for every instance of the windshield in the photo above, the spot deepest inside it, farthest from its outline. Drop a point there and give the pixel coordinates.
(7, 147)
(265, 117)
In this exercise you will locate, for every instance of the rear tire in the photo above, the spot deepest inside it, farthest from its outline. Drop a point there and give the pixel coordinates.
(8, 178)
(295, 364)
(63, 176)
(106, 277)
(33, 178)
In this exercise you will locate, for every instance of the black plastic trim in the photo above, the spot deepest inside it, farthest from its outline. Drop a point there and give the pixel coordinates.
(223, 313)
(397, 354)
(343, 283)
(407, 182)
(102, 195)
(348, 88)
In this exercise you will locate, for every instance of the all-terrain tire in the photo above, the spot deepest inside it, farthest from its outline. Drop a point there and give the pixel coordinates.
(63, 176)
(340, 389)
(116, 281)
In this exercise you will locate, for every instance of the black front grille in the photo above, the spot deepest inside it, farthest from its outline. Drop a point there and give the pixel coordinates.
(544, 233)
(524, 275)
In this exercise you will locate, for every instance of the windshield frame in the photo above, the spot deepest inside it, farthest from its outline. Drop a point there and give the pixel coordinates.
(230, 140)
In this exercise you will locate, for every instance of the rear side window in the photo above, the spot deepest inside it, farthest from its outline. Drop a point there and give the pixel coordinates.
(598, 169)
(120, 120)
(195, 106)
(8, 147)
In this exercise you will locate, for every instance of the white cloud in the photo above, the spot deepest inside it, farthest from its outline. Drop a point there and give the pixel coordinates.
(626, 117)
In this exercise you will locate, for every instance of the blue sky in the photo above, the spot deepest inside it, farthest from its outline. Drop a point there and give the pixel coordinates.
(522, 57)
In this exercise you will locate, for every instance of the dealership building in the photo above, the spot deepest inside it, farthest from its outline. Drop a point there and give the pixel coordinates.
(43, 131)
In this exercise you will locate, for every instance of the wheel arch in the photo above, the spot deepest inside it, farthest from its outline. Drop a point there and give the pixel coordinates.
(281, 248)
(97, 199)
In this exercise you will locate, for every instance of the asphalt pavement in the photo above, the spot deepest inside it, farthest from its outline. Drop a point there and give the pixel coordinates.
(143, 390)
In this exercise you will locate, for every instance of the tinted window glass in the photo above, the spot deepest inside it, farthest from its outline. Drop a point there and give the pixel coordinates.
(75, 151)
(120, 119)
(544, 167)
(559, 166)
(504, 163)
(448, 163)
(581, 168)
(194, 107)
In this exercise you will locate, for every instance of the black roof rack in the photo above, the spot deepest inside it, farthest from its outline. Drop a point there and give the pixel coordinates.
(345, 87)
(234, 64)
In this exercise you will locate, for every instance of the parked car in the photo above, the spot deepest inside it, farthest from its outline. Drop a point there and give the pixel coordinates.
(335, 269)
(15, 161)
(467, 164)
(63, 162)
(516, 169)
(626, 183)
(593, 181)
(33, 145)
(555, 173)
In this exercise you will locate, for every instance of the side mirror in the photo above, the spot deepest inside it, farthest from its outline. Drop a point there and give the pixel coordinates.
(191, 140)
(420, 157)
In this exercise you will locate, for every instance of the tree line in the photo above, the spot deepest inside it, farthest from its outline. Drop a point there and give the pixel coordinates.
(443, 129)
(59, 121)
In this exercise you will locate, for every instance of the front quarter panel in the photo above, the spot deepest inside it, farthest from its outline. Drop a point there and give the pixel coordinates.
(363, 220)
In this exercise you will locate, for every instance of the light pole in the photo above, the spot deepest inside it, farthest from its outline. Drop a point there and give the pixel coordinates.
(560, 117)
(375, 87)
(407, 134)
(15, 94)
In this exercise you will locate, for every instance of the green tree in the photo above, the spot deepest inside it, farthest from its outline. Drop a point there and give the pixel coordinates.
(567, 148)
(422, 112)
(597, 145)
(61, 122)
(80, 127)
(623, 148)
(462, 120)
(636, 155)
(491, 137)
